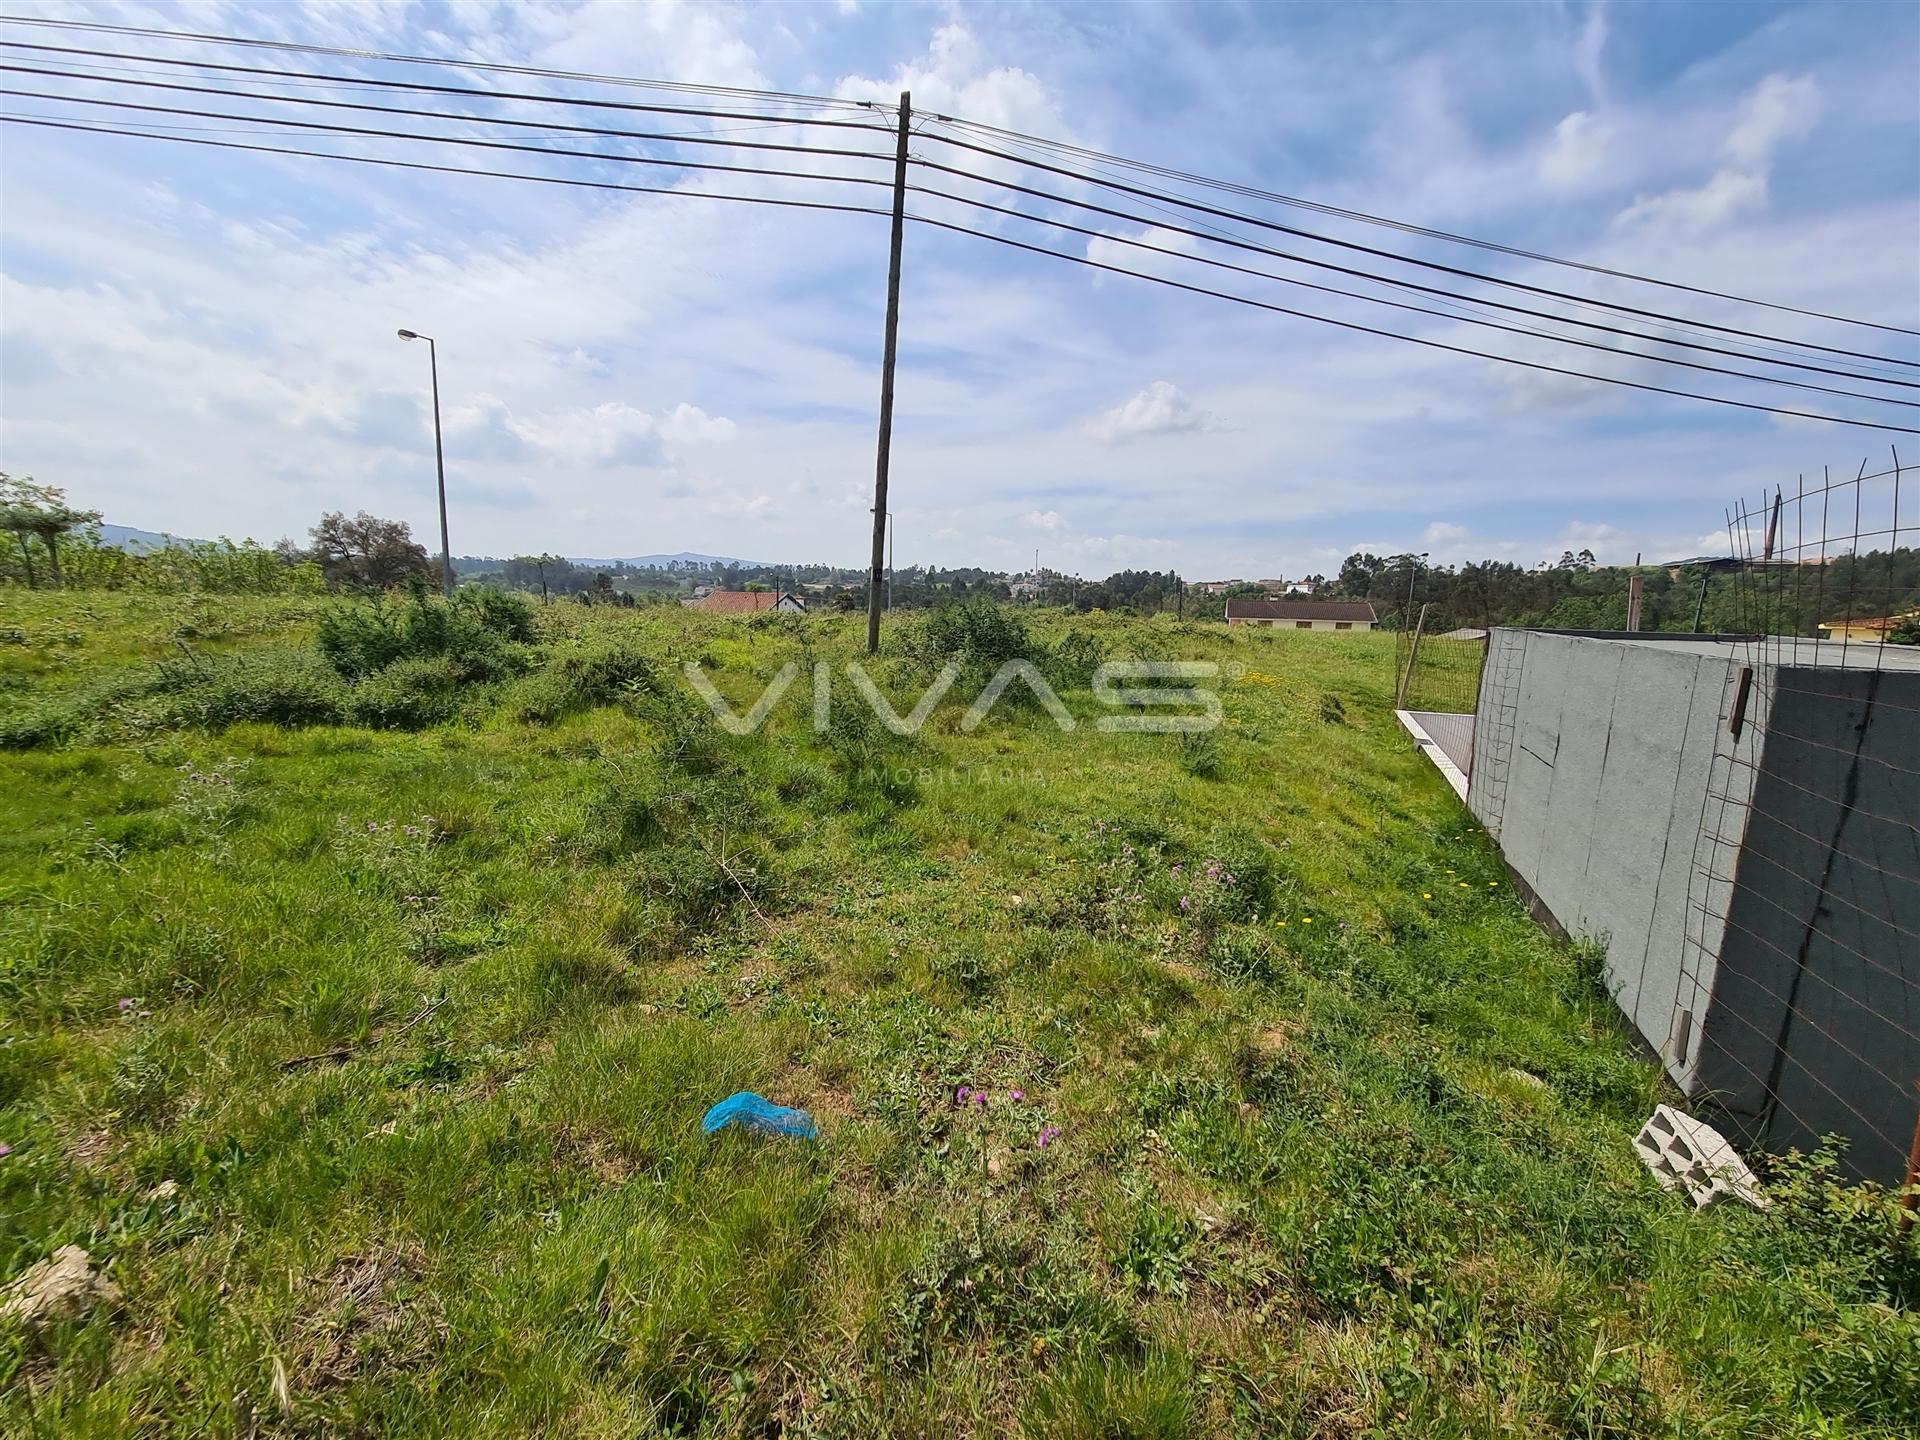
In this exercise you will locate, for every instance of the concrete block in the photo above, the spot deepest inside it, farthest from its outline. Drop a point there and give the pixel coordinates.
(1684, 1153)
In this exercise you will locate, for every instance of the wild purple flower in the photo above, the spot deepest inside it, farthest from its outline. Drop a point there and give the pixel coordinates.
(124, 1004)
(1177, 869)
(980, 1098)
(1016, 1094)
(372, 825)
(1183, 902)
(962, 1095)
(1047, 1137)
(5, 1149)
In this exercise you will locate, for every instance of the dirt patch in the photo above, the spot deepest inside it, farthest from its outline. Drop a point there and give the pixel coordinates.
(89, 1149)
(368, 1310)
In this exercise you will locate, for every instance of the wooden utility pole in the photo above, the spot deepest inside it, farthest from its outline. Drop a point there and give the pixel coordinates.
(1413, 654)
(1635, 589)
(886, 376)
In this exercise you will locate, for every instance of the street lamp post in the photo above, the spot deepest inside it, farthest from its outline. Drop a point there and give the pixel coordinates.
(439, 460)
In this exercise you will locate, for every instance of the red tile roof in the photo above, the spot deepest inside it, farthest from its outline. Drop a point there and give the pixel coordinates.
(740, 602)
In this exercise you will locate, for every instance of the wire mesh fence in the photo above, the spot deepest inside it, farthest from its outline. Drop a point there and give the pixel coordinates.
(1439, 672)
(1798, 1013)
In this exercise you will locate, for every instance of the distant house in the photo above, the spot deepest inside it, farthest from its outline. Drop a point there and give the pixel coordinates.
(1216, 587)
(747, 602)
(1871, 630)
(1301, 614)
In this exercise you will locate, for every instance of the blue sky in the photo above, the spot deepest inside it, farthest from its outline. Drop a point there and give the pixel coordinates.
(203, 342)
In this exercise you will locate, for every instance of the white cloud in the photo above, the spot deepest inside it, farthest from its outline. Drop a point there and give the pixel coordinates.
(1579, 150)
(1043, 519)
(955, 77)
(1445, 532)
(1778, 109)
(1160, 409)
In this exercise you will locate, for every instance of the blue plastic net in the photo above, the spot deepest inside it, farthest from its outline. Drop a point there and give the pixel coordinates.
(752, 1112)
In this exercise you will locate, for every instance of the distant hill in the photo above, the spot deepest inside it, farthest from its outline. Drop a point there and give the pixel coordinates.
(685, 557)
(139, 541)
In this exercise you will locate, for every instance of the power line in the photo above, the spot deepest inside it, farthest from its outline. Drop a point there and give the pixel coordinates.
(367, 132)
(1783, 356)
(102, 128)
(833, 102)
(1252, 192)
(93, 70)
(1395, 256)
(1150, 194)
(1410, 339)
(1258, 249)
(1218, 237)
(91, 128)
(1417, 309)
(469, 91)
(363, 105)
(199, 37)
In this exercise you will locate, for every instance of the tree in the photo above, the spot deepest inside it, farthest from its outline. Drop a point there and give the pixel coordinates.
(42, 512)
(367, 551)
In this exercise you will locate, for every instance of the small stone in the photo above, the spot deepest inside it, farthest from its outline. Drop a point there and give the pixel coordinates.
(165, 1190)
(63, 1287)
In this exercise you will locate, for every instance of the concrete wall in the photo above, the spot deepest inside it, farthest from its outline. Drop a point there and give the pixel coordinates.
(1817, 997)
(1758, 894)
(1606, 763)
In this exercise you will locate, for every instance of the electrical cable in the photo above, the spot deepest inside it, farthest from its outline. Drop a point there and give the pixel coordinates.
(1375, 250)
(1417, 309)
(1413, 339)
(366, 132)
(102, 128)
(1405, 227)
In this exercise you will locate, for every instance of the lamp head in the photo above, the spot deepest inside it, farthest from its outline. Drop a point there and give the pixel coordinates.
(408, 335)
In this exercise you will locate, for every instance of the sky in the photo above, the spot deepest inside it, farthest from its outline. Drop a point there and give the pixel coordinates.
(203, 342)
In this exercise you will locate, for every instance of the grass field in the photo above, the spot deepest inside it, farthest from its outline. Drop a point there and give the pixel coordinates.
(359, 1020)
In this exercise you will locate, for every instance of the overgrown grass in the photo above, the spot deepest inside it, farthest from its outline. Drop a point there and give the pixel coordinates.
(370, 1062)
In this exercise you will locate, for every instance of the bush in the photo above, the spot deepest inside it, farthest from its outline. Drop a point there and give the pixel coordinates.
(481, 632)
(978, 632)
(1075, 659)
(1200, 754)
(582, 677)
(284, 687)
(407, 695)
(40, 722)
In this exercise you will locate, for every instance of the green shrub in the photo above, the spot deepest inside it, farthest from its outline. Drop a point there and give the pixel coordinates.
(407, 695)
(1073, 661)
(581, 677)
(43, 721)
(280, 687)
(1200, 754)
(483, 633)
(979, 633)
